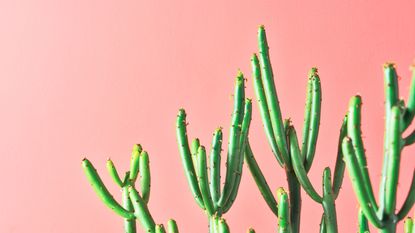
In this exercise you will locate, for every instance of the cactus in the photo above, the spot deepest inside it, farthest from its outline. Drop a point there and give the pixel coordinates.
(210, 197)
(283, 140)
(134, 203)
(409, 225)
(398, 118)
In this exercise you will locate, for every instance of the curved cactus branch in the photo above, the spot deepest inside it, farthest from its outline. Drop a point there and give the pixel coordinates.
(102, 191)
(271, 95)
(260, 180)
(409, 200)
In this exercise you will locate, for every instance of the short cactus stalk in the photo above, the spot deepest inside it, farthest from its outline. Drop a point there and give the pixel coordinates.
(399, 116)
(284, 144)
(134, 202)
(207, 191)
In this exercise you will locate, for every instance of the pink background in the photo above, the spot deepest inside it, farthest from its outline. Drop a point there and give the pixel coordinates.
(91, 78)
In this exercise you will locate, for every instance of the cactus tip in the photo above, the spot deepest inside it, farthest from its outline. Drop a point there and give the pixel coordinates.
(182, 112)
(389, 65)
(313, 72)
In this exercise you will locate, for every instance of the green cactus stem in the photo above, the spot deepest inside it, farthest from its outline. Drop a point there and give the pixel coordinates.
(409, 226)
(283, 211)
(363, 225)
(278, 138)
(172, 226)
(207, 191)
(284, 143)
(398, 118)
(102, 191)
(160, 228)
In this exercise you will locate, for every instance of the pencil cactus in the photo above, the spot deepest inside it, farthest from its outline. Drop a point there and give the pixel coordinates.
(398, 118)
(284, 144)
(214, 200)
(134, 203)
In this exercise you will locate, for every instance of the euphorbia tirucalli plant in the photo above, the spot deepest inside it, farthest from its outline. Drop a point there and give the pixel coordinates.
(295, 158)
(398, 118)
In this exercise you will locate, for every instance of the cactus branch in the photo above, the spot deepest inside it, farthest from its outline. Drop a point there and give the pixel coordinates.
(102, 191)
(215, 160)
(298, 167)
(409, 200)
(358, 184)
(135, 162)
(141, 211)
(172, 226)
(187, 157)
(129, 223)
(283, 211)
(363, 226)
(271, 95)
(263, 108)
(328, 203)
(394, 152)
(234, 156)
(113, 173)
(314, 119)
(340, 164)
(355, 133)
(203, 180)
(260, 180)
(145, 177)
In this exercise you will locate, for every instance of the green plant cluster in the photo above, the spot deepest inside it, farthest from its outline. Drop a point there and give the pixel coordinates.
(296, 157)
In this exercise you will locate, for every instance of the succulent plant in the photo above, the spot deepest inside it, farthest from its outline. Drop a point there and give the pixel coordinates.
(134, 202)
(207, 191)
(283, 140)
(398, 118)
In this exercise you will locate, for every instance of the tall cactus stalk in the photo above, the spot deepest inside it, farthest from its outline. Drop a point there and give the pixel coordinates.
(210, 196)
(283, 140)
(398, 118)
(134, 202)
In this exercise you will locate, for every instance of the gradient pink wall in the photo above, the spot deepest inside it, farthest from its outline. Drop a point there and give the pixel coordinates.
(91, 78)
